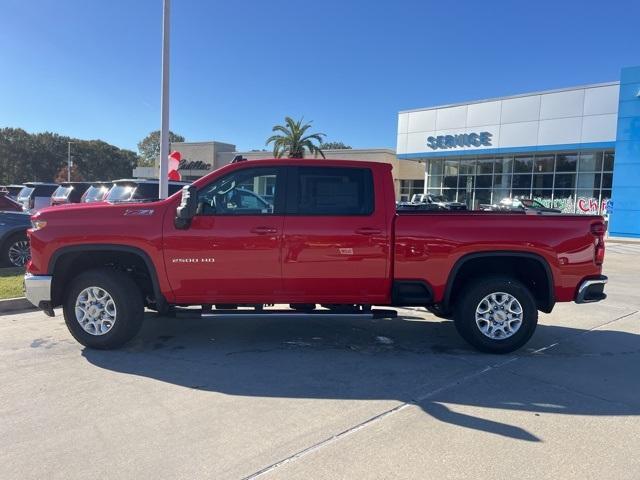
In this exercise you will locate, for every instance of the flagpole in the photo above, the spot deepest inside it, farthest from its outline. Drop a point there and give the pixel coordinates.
(164, 104)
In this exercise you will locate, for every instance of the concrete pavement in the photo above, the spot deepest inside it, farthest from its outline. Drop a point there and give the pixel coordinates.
(303, 397)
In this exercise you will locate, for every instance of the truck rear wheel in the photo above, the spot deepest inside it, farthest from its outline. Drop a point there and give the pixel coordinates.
(104, 308)
(496, 314)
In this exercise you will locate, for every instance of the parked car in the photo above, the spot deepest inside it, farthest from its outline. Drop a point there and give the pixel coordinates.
(36, 195)
(96, 192)
(9, 204)
(333, 238)
(13, 190)
(132, 190)
(418, 206)
(439, 200)
(69, 192)
(14, 245)
(519, 204)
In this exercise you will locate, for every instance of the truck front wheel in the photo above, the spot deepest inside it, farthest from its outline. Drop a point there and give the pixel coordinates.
(104, 308)
(496, 315)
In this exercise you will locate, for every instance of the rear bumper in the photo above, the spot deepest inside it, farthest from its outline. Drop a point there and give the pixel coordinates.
(592, 290)
(37, 289)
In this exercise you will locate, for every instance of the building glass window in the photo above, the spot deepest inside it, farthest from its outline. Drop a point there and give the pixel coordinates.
(409, 188)
(449, 194)
(436, 167)
(483, 197)
(435, 181)
(485, 166)
(542, 180)
(566, 162)
(564, 200)
(589, 180)
(590, 162)
(544, 164)
(544, 196)
(523, 165)
(484, 181)
(608, 162)
(503, 165)
(468, 166)
(521, 181)
(574, 182)
(451, 167)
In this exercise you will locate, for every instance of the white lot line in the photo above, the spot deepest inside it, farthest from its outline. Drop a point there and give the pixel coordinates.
(624, 248)
(402, 406)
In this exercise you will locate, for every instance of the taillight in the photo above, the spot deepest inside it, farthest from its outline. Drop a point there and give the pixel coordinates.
(598, 230)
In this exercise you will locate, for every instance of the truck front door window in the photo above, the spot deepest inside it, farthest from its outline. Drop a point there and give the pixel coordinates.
(247, 192)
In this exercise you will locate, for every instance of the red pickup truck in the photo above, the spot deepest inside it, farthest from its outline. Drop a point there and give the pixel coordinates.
(307, 232)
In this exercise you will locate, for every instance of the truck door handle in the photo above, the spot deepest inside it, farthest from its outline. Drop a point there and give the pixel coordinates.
(368, 231)
(264, 230)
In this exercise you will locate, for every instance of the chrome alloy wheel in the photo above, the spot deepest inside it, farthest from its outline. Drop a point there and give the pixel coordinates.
(19, 253)
(95, 310)
(499, 315)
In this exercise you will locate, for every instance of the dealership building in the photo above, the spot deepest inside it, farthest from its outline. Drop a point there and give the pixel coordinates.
(576, 149)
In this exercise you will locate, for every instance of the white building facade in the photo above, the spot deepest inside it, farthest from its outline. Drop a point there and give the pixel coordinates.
(557, 147)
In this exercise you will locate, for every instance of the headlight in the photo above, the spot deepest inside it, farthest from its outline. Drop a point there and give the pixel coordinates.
(38, 224)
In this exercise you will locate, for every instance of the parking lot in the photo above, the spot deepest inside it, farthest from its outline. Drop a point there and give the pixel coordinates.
(341, 397)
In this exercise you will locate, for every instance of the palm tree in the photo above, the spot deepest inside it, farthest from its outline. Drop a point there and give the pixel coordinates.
(293, 141)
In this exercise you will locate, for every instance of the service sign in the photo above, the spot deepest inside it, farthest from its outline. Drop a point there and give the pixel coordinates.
(473, 139)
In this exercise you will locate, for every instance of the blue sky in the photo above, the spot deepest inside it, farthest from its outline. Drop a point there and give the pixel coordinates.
(91, 69)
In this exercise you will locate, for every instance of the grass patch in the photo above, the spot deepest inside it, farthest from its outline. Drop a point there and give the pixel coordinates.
(11, 282)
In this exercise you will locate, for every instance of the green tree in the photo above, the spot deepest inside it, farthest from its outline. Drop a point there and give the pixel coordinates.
(334, 146)
(43, 157)
(149, 147)
(292, 140)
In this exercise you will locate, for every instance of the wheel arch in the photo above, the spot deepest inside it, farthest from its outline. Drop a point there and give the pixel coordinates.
(463, 270)
(61, 263)
(13, 231)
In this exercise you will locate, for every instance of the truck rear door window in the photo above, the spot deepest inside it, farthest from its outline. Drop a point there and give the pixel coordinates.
(333, 191)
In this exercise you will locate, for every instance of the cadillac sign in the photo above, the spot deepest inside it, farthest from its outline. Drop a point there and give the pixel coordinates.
(441, 142)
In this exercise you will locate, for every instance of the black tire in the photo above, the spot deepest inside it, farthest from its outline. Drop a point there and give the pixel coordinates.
(5, 260)
(438, 312)
(469, 300)
(128, 302)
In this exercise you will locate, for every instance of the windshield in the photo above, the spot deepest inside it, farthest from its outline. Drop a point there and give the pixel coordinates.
(121, 193)
(134, 192)
(61, 192)
(438, 198)
(94, 194)
(25, 193)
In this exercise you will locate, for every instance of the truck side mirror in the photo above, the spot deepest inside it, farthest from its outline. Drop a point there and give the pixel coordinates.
(188, 207)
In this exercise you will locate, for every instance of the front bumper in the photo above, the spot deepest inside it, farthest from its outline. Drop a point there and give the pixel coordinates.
(37, 289)
(592, 290)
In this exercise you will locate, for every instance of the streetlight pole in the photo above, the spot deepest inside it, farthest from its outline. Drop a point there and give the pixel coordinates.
(163, 180)
(69, 161)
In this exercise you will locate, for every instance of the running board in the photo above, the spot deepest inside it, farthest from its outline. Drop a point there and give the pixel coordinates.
(373, 313)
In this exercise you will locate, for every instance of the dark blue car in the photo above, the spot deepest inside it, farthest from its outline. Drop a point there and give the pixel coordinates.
(14, 245)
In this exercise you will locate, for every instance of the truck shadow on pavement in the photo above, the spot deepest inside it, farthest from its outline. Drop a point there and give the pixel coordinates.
(407, 359)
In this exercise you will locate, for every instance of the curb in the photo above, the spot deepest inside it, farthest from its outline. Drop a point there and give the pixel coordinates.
(13, 305)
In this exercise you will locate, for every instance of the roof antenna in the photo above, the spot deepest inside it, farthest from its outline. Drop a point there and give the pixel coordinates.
(238, 158)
